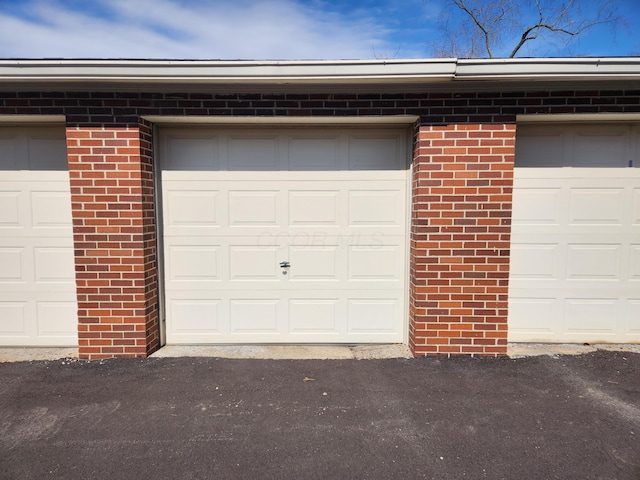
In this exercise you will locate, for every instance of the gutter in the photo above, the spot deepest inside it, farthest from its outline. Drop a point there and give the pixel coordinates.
(330, 75)
(554, 69)
(198, 71)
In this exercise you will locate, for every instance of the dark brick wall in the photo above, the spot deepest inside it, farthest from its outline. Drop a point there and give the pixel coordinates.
(433, 108)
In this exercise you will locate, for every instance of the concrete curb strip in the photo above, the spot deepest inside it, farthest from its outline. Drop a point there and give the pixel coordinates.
(308, 352)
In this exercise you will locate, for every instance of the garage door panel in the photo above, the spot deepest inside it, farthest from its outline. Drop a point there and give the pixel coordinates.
(634, 262)
(250, 263)
(574, 236)
(309, 154)
(372, 316)
(338, 221)
(51, 320)
(535, 261)
(591, 317)
(9, 207)
(596, 206)
(540, 148)
(35, 203)
(193, 263)
(57, 319)
(50, 209)
(10, 156)
(635, 216)
(31, 268)
(324, 316)
(252, 153)
(315, 237)
(315, 315)
(14, 321)
(53, 264)
(600, 148)
(314, 207)
(191, 154)
(373, 262)
(315, 263)
(17, 272)
(593, 261)
(537, 318)
(377, 207)
(254, 208)
(632, 318)
(267, 177)
(196, 316)
(374, 153)
(47, 152)
(570, 319)
(196, 207)
(12, 259)
(536, 206)
(256, 316)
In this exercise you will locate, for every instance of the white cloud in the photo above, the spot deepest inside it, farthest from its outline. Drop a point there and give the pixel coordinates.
(245, 29)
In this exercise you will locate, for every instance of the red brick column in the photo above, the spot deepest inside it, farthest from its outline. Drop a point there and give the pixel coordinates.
(114, 237)
(460, 239)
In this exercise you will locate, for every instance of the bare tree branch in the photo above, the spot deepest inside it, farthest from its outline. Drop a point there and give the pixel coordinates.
(493, 22)
(484, 31)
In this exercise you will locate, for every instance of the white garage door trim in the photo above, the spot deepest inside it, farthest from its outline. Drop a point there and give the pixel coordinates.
(331, 202)
(226, 121)
(575, 256)
(38, 303)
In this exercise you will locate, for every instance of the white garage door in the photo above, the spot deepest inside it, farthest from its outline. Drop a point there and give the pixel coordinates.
(575, 258)
(37, 280)
(284, 236)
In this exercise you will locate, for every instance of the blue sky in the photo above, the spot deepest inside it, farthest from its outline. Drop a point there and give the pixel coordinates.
(257, 29)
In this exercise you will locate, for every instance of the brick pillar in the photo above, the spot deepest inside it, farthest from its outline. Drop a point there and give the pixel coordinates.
(460, 239)
(111, 174)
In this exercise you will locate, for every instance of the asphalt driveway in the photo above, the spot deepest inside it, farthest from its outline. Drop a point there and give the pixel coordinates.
(564, 417)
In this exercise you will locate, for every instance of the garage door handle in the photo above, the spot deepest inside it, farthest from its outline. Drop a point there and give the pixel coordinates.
(285, 264)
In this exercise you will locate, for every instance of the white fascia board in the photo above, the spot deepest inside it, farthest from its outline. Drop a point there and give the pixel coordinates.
(216, 72)
(549, 69)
